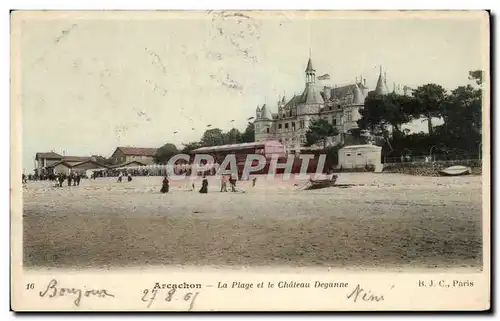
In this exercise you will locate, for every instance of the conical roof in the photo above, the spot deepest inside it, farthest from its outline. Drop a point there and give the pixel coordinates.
(381, 88)
(311, 95)
(309, 66)
(266, 113)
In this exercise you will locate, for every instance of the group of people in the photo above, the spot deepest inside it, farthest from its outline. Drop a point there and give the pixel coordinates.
(71, 178)
(225, 179)
(120, 177)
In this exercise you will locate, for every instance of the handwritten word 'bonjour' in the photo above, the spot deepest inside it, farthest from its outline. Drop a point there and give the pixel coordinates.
(52, 290)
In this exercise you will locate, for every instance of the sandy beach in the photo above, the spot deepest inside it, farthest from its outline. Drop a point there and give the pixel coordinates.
(385, 221)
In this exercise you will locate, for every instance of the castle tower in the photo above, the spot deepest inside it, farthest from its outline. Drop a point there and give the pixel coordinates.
(381, 88)
(257, 113)
(310, 73)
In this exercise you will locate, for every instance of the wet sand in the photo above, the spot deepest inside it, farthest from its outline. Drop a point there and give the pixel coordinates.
(385, 221)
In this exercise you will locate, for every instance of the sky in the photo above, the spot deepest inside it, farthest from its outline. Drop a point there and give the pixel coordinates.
(92, 82)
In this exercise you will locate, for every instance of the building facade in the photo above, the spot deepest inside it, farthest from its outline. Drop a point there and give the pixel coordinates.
(123, 155)
(339, 105)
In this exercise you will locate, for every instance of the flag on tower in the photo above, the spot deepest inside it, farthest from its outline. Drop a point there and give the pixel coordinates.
(324, 77)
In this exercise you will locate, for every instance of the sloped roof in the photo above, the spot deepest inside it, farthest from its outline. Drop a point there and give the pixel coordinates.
(294, 101)
(311, 95)
(90, 161)
(137, 151)
(238, 146)
(75, 158)
(266, 113)
(59, 163)
(127, 164)
(309, 66)
(366, 146)
(381, 88)
(342, 91)
(48, 155)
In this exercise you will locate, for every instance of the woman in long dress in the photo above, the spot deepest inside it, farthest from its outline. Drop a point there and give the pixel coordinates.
(164, 185)
(204, 185)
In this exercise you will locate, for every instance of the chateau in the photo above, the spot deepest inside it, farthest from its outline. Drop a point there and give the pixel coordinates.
(339, 105)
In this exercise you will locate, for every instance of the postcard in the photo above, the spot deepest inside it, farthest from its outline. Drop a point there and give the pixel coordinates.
(250, 160)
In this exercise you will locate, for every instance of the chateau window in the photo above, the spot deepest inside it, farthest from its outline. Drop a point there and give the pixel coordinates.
(349, 116)
(293, 125)
(302, 124)
(302, 138)
(334, 120)
(359, 154)
(348, 154)
(286, 125)
(279, 126)
(267, 130)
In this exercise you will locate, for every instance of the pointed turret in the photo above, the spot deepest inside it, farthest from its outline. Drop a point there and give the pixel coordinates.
(257, 113)
(381, 88)
(309, 67)
(266, 113)
(310, 73)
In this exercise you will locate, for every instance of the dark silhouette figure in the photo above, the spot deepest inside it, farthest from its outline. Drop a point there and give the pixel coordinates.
(77, 179)
(204, 185)
(61, 180)
(232, 181)
(254, 180)
(69, 180)
(164, 185)
(129, 177)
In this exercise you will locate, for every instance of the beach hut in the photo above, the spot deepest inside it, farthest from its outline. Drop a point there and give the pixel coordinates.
(359, 156)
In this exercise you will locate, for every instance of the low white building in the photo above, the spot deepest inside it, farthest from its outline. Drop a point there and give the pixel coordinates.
(358, 156)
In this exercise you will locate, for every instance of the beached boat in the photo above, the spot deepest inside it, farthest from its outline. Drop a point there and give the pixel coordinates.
(456, 170)
(322, 183)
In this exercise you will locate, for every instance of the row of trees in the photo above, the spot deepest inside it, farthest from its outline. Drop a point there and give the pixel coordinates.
(211, 137)
(460, 111)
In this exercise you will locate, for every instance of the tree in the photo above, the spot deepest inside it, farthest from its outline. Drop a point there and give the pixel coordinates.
(462, 113)
(477, 75)
(248, 136)
(102, 160)
(332, 155)
(429, 99)
(164, 153)
(189, 147)
(233, 136)
(382, 111)
(213, 137)
(318, 132)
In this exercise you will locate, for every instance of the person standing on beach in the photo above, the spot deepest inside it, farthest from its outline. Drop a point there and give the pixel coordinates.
(223, 183)
(69, 179)
(129, 177)
(254, 180)
(120, 175)
(232, 181)
(77, 179)
(204, 185)
(165, 185)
